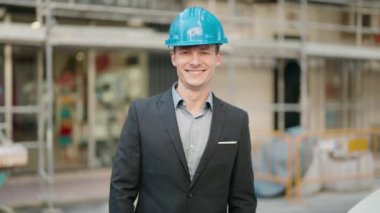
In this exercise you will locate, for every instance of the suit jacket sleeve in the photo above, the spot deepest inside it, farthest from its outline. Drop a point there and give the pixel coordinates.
(242, 198)
(126, 168)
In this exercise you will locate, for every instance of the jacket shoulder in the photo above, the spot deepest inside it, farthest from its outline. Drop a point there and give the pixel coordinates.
(146, 101)
(232, 108)
(149, 102)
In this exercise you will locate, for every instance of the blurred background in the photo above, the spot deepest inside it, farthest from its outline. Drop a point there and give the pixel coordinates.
(306, 71)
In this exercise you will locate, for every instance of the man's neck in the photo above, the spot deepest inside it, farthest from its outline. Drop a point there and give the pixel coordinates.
(194, 99)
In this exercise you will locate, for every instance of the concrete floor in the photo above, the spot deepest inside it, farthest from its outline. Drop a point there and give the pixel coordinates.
(87, 192)
(323, 202)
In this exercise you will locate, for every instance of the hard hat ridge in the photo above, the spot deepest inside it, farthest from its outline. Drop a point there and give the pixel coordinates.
(195, 26)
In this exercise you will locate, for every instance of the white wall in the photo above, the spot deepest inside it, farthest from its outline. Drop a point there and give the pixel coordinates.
(250, 88)
(316, 95)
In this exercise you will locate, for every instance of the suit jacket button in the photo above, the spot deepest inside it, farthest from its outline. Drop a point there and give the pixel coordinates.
(190, 195)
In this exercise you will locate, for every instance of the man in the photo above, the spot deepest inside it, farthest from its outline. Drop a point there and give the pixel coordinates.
(186, 151)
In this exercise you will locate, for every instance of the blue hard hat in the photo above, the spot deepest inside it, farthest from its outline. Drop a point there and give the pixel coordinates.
(195, 26)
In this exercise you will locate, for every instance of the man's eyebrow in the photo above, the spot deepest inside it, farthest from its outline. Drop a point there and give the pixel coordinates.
(205, 47)
(183, 48)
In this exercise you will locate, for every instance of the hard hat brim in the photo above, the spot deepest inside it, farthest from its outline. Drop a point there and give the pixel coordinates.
(171, 43)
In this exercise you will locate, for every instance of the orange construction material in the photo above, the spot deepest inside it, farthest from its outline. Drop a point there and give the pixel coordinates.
(350, 144)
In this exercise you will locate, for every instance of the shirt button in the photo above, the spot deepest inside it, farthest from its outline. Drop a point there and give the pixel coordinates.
(190, 195)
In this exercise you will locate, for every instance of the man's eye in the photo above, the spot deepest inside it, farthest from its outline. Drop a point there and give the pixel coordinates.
(205, 53)
(184, 52)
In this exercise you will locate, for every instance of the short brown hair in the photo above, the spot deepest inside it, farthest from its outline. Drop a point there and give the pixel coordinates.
(217, 48)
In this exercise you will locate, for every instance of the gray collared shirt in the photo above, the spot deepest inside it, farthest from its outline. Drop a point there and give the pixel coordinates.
(194, 130)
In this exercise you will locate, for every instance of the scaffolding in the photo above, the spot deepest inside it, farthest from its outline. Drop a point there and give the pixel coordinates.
(47, 33)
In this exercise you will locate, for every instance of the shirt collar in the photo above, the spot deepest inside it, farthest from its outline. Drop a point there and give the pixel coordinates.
(177, 99)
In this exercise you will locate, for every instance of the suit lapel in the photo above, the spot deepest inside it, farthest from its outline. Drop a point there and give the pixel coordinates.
(217, 124)
(167, 111)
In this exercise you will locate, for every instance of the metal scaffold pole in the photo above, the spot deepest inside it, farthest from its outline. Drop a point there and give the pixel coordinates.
(8, 82)
(49, 111)
(303, 63)
(41, 122)
(91, 75)
(281, 66)
(232, 57)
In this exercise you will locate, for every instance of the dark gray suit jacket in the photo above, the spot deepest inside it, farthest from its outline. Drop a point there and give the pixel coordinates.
(150, 163)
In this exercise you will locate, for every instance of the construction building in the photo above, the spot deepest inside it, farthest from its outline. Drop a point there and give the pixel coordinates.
(70, 68)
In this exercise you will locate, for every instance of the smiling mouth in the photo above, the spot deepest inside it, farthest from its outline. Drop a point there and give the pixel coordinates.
(195, 70)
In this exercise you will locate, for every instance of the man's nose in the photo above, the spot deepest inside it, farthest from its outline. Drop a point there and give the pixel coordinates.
(195, 60)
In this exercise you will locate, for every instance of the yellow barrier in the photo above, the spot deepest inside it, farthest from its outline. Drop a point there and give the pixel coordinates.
(348, 144)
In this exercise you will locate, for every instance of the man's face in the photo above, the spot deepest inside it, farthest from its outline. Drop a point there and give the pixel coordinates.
(196, 65)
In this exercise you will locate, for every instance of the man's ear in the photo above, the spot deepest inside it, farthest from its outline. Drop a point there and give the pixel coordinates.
(218, 59)
(172, 57)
